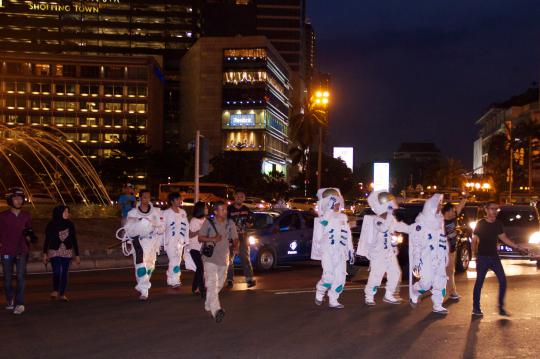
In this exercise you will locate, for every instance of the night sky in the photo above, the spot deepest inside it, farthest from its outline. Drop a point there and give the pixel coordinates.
(422, 70)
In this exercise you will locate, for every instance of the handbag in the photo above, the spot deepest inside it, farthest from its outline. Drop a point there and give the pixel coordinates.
(207, 249)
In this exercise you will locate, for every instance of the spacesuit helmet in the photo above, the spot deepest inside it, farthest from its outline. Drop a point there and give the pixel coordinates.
(327, 198)
(382, 202)
(432, 206)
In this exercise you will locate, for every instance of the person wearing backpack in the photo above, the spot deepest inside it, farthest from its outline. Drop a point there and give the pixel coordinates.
(217, 235)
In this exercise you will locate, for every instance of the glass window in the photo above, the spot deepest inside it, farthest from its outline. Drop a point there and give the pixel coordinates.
(64, 121)
(137, 91)
(42, 69)
(68, 70)
(113, 90)
(16, 119)
(89, 90)
(249, 53)
(43, 88)
(40, 120)
(70, 136)
(137, 73)
(114, 72)
(113, 122)
(88, 121)
(86, 106)
(112, 138)
(113, 107)
(14, 68)
(136, 123)
(65, 89)
(137, 108)
(16, 87)
(90, 72)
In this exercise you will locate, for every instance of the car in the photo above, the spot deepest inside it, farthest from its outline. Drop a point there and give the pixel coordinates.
(303, 203)
(350, 207)
(255, 203)
(521, 224)
(41, 198)
(407, 213)
(278, 238)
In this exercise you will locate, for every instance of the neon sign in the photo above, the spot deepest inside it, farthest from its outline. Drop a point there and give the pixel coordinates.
(83, 6)
(242, 119)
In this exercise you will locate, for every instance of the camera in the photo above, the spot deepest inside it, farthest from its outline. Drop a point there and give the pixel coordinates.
(29, 233)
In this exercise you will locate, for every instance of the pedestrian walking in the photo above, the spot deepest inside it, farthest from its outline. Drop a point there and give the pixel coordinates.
(487, 233)
(16, 234)
(450, 213)
(243, 218)
(127, 202)
(218, 235)
(200, 211)
(175, 237)
(60, 248)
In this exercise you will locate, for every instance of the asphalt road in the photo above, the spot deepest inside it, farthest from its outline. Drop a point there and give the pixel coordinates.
(277, 319)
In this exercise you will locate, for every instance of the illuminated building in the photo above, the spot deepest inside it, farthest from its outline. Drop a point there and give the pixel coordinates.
(162, 28)
(95, 101)
(236, 91)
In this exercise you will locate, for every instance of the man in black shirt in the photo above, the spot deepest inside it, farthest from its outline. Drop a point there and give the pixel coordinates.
(486, 235)
(243, 218)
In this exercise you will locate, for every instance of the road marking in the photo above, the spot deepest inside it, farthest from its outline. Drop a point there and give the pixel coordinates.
(285, 292)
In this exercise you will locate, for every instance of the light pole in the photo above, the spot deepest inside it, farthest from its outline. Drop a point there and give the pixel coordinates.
(319, 102)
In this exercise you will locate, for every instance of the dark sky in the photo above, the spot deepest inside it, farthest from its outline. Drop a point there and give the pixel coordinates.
(422, 70)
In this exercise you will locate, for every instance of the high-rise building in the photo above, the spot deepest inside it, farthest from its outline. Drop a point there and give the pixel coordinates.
(311, 52)
(95, 101)
(236, 91)
(163, 28)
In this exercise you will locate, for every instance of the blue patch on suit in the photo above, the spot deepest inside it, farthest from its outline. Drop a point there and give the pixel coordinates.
(418, 228)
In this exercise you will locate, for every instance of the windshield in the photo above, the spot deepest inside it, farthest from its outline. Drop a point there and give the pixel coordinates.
(262, 220)
(518, 218)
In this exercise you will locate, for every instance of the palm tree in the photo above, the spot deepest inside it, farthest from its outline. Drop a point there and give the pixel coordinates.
(304, 133)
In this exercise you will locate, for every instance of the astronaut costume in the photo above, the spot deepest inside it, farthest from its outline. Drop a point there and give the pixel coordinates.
(378, 242)
(142, 239)
(332, 245)
(428, 255)
(176, 236)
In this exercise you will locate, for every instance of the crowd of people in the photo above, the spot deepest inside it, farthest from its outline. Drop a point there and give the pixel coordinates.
(208, 242)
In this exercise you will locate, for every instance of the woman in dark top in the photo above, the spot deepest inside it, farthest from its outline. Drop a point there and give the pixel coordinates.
(59, 248)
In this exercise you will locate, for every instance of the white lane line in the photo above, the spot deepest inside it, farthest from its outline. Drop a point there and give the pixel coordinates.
(285, 292)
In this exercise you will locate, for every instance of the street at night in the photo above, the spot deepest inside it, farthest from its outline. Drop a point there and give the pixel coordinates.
(278, 319)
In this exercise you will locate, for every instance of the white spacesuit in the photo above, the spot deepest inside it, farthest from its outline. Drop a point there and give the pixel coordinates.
(428, 255)
(332, 245)
(175, 237)
(378, 242)
(142, 239)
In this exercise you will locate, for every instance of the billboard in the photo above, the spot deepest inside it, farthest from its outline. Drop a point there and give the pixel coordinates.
(381, 176)
(346, 154)
(242, 119)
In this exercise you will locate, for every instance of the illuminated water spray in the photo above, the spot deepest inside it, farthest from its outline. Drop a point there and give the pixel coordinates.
(43, 160)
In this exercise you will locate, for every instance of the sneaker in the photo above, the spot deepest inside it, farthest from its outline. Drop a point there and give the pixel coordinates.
(337, 306)
(176, 286)
(251, 283)
(318, 302)
(54, 295)
(370, 302)
(230, 284)
(64, 298)
(10, 306)
(392, 300)
(220, 314)
(413, 303)
(503, 312)
(19, 309)
(440, 310)
(454, 296)
(477, 313)
(143, 297)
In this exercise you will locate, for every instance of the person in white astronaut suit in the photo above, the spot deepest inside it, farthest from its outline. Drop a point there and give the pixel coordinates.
(143, 230)
(332, 245)
(378, 242)
(428, 255)
(175, 237)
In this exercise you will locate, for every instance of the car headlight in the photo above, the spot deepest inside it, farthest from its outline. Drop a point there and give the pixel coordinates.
(472, 224)
(535, 238)
(397, 239)
(253, 240)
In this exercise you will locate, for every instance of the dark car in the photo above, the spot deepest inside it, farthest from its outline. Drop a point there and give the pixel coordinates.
(521, 225)
(407, 213)
(280, 238)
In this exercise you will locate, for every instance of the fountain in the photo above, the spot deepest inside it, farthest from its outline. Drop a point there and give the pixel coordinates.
(34, 158)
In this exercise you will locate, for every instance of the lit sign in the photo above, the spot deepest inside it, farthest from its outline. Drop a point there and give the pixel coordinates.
(242, 119)
(346, 154)
(84, 6)
(293, 247)
(381, 176)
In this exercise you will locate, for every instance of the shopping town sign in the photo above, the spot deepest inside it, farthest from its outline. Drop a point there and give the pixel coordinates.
(84, 6)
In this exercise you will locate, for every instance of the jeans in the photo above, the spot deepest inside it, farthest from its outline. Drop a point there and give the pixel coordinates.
(7, 263)
(483, 264)
(214, 278)
(198, 278)
(60, 267)
(243, 252)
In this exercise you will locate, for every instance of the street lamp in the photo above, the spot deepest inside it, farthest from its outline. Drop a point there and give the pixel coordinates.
(320, 101)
